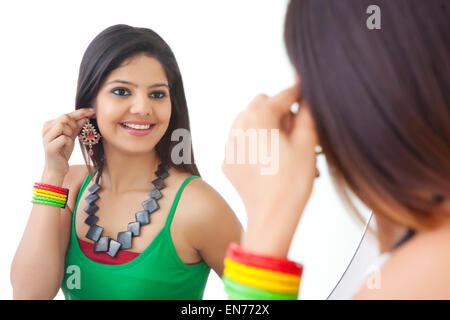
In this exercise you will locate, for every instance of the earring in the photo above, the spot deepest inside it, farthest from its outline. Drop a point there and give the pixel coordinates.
(318, 151)
(89, 136)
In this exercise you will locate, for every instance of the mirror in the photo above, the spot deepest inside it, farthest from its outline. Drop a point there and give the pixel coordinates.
(228, 52)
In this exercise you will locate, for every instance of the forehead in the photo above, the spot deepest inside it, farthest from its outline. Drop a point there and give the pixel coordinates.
(140, 69)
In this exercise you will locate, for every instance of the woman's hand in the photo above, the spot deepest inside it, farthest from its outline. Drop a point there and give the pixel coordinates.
(58, 137)
(274, 202)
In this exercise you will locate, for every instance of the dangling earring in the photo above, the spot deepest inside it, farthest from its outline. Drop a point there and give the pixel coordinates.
(89, 136)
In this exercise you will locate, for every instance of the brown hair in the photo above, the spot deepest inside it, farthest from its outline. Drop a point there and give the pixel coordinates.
(104, 54)
(380, 100)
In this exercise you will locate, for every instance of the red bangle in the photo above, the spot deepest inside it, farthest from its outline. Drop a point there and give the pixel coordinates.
(51, 188)
(238, 254)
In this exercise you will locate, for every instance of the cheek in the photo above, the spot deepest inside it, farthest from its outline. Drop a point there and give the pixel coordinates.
(105, 110)
(164, 113)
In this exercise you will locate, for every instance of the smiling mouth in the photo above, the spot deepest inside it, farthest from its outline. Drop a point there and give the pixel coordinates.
(138, 127)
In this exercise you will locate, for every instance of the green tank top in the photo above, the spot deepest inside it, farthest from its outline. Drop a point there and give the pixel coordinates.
(157, 273)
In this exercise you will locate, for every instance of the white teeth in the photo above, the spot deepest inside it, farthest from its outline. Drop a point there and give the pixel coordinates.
(137, 126)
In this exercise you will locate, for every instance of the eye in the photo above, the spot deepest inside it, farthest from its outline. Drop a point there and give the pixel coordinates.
(121, 90)
(157, 95)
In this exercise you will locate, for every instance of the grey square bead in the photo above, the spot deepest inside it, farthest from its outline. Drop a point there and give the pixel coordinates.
(158, 184)
(114, 247)
(90, 220)
(94, 188)
(124, 238)
(91, 198)
(162, 174)
(143, 217)
(155, 194)
(91, 209)
(163, 166)
(102, 245)
(94, 232)
(150, 205)
(134, 228)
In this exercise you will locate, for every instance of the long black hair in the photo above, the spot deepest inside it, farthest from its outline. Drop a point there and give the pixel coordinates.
(380, 100)
(104, 54)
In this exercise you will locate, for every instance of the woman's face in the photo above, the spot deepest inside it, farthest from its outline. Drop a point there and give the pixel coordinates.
(136, 92)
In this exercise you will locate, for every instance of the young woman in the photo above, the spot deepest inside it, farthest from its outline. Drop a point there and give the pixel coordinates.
(118, 236)
(378, 103)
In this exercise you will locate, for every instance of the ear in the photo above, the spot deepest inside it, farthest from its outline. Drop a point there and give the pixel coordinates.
(94, 105)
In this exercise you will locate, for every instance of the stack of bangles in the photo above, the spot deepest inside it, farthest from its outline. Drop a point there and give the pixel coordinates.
(250, 276)
(51, 195)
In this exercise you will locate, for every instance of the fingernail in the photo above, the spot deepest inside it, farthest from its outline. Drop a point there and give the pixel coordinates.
(91, 109)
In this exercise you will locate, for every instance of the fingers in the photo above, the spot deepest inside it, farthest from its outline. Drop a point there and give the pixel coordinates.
(275, 112)
(81, 113)
(57, 130)
(58, 143)
(272, 112)
(75, 120)
(300, 126)
(281, 103)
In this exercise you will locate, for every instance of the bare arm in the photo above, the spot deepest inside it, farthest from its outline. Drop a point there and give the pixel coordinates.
(37, 269)
(38, 265)
(213, 225)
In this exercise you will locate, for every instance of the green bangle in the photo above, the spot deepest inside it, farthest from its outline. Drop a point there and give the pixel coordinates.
(48, 202)
(239, 291)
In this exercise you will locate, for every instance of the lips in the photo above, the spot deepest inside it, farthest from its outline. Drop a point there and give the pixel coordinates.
(138, 122)
(140, 126)
(138, 132)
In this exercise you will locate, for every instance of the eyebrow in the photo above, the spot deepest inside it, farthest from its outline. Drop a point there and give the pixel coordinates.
(134, 85)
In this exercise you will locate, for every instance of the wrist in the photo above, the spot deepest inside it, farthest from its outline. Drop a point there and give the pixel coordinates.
(52, 178)
(270, 232)
(267, 239)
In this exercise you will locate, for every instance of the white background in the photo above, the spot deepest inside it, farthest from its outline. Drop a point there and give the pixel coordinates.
(228, 51)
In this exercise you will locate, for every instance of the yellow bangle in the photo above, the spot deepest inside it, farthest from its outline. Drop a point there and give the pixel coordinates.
(49, 196)
(261, 283)
(50, 193)
(41, 194)
(265, 274)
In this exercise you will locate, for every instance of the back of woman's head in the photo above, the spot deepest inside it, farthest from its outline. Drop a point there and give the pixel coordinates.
(380, 99)
(105, 53)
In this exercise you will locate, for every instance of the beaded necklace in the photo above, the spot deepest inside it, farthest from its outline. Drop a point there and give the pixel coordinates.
(124, 238)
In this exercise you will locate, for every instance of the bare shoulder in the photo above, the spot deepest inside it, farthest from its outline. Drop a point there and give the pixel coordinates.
(205, 203)
(416, 270)
(208, 212)
(203, 197)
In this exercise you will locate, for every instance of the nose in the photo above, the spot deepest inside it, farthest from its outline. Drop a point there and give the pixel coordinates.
(141, 105)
